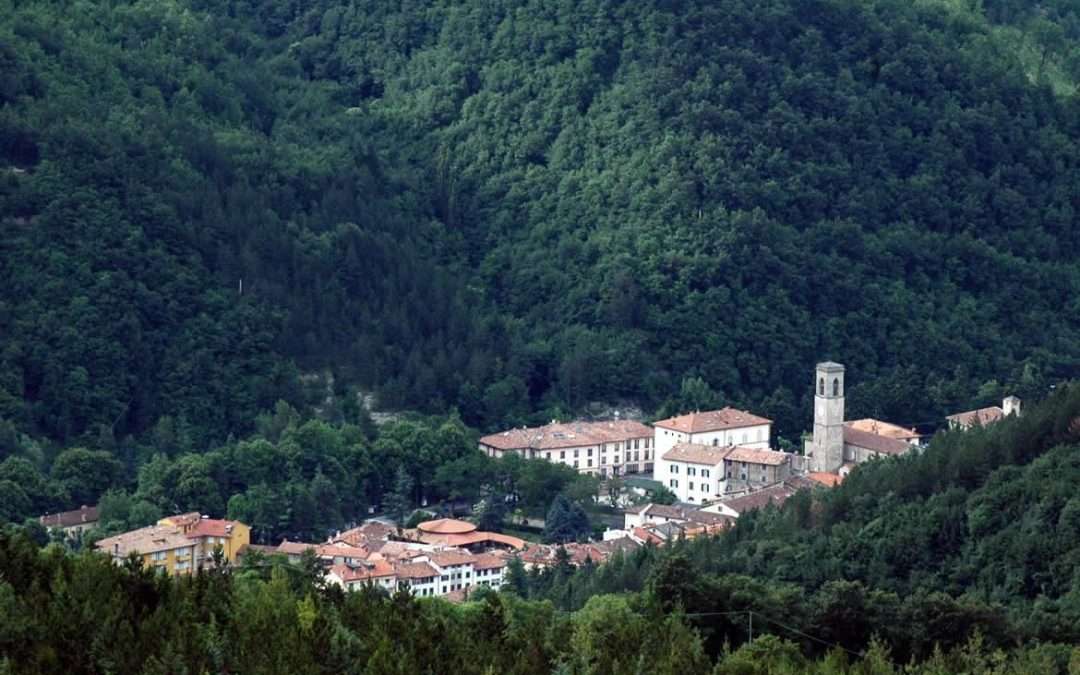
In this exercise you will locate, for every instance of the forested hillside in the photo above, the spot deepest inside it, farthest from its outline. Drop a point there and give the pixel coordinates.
(520, 207)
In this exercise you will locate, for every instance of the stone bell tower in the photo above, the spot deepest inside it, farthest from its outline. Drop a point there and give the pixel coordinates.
(827, 446)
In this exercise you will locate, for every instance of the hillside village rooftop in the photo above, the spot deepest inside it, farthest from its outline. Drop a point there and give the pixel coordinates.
(713, 420)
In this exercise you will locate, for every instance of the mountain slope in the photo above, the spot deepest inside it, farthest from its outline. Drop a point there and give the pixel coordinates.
(511, 207)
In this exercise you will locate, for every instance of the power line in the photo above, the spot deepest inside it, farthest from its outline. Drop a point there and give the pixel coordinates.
(750, 623)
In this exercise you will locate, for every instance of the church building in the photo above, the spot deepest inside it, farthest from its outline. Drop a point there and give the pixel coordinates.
(836, 445)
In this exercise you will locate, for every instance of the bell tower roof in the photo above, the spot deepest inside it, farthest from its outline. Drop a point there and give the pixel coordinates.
(830, 367)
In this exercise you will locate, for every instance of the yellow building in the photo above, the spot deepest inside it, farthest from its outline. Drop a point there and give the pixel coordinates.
(180, 544)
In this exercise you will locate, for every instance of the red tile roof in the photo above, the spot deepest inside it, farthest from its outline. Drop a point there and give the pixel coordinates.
(825, 478)
(884, 429)
(982, 417)
(567, 435)
(774, 494)
(446, 526)
(696, 453)
(415, 570)
(758, 456)
(370, 532)
(880, 444)
(208, 527)
(87, 515)
(449, 557)
(487, 561)
(295, 547)
(374, 569)
(712, 420)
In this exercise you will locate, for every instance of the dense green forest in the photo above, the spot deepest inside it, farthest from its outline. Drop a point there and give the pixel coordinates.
(981, 531)
(516, 208)
(958, 559)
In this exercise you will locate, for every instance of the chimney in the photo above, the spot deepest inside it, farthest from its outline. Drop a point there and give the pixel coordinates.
(1011, 406)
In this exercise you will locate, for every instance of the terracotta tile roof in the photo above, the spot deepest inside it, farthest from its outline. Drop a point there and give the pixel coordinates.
(825, 478)
(982, 417)
(208, 527)
(488, 561)
(684, 514)
(774, 494)
(366, 534)
(86, 515)
(567, 435)
(757, 456)
(342, 550)
(623, 544)
(295, 547)
(446, 526)
(879, 444)
(484, 537)
(415, 570)
(712, 420)
(145, 540)
(880, 428)
(373, 569)
(696, 453)
(449, 557)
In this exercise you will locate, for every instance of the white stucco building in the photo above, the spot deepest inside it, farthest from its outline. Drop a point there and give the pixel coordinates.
(699, 473)
(610, 448)
(718, 428)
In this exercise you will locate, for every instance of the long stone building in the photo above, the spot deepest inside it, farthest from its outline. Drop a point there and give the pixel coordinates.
(605, 449)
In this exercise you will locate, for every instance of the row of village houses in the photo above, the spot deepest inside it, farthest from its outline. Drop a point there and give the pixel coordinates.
(718, 463)
(705, 456)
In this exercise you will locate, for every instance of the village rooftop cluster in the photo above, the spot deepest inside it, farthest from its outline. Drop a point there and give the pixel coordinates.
(718, 463)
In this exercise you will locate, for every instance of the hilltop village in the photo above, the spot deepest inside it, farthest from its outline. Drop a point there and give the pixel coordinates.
(718, 464)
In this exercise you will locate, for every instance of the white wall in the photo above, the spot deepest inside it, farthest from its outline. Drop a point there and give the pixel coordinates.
(678, 477)
(752, 437)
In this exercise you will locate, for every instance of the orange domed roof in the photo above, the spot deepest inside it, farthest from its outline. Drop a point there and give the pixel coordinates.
(446, 526)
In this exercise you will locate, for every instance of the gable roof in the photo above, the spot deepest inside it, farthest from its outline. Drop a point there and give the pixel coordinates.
(758, 456)
(982, 416)
(145, 540)
(85, 515)
(774, 494)
(415, 570)
(884, 429)
(880, 444)
(567, 435)
(712, 420)
(696, 453)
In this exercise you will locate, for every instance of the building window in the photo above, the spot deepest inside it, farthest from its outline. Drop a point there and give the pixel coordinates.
(690, 485)
(836, 386)
(576, 453)
(636, 444)
(575, 464)
(674, 483)
(590, 452)
(562, 454)
(589, 464)
(704, 473)
(674, 468)
(547, 456)
(704, 487)
(821, 387)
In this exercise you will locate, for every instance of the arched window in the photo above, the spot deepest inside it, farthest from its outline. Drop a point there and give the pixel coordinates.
(821, 387)
(836, 386)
